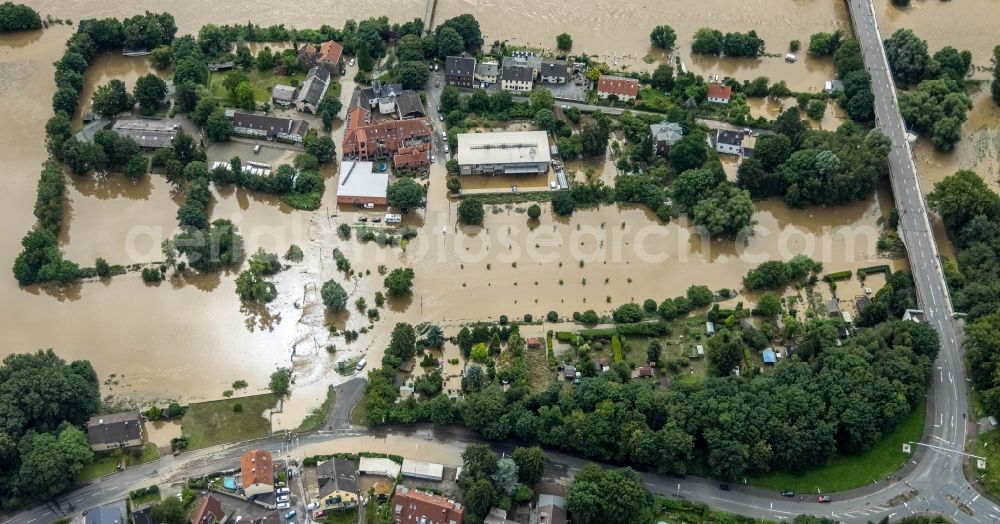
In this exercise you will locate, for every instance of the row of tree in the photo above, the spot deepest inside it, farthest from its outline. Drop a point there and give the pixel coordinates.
(713, 42)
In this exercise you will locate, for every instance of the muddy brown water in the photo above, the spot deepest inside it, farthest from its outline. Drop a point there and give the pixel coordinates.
(189, 337)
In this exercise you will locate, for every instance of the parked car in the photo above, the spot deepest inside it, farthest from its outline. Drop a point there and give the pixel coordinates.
(351, 63)
(823, 498)
(283, 505)
(552, 185)
(787, 493)
(256, 149)
(376, 219)
(369, 205)
(290, 514)
(283, 498)
(312, 505)
(283, 491)
(319, 514)
(724, 487)
(444, 135)
(362, 219)
(441, 118)
(433, 158)
(446, 148)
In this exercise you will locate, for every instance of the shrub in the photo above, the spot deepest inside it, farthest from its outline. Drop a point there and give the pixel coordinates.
(527, 317)
(552, 316)
(630, 312)
(616, 348)
(649, 305)
(837, 276)
(151, 275)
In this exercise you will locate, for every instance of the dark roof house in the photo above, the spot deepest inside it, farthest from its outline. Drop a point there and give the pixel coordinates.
(408, 105)
(115, 431)
(313, 88)
(106, 514)
(460, 71)
(516, 74)
(208, 511)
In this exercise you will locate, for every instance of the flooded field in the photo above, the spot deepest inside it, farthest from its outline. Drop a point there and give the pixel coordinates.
(189, 338)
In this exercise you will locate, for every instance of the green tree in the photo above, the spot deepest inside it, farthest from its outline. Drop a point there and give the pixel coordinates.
(907, 55)
(49, 463)
(630, 312)
(769, 305)
(265, 59)
(161, 57)
(399, 282)
(707, 41)
(170, 510)
(18, 17)
(111, 98)
(563, 203)
(454, 183)
(321, 147)
(468, 29)
(218, 127)
(450, 99)
(251, 287)
(726, 210)
(694, 184)
(825, 44)
(480, 497)
(961, 197)
(663, 37)
(700, 296)
(280, 381)
(149, 91)
(413, 74)
(333, 295)
(615, 496)
(470, 212)
(243, 96)
(689, 152)
(663, 77)
(534, 211)
(136, 167)
(405, 194)
(530, 464)
(449, 43)
(402, 342)
(564, 42)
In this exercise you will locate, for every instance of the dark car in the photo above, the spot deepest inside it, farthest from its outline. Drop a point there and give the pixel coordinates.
(823, 498)
(787, 493)
(724, 487)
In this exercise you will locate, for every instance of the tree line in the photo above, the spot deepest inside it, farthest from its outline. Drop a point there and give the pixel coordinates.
(970, 211)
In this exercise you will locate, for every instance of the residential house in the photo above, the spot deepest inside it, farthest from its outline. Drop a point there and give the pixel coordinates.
(498, 516)
(551, 509)
(626, 89)
(665, 135)
(142, 516)
(406, 141)
(418, 507)
(113, 513)
(525, 59)
(517, 79)
(282, 96)
(642, 372)
(269, 127)
(381, 97)
(460, 71)
(115, 431)
(257, 472)
(553, 72)
(208, 511)
(313, 89)
(408, 105)
(728, 142)
(487, 72)
(337, 485)
(329, 55)
(719, 93)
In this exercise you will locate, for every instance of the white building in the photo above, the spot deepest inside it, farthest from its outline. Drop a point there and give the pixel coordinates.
(515, 152)
(422, 470)
(378, 466)
(517, 79)
(728, 142)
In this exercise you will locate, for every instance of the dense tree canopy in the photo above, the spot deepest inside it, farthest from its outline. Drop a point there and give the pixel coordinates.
(907, 55)
(663, 37)
(18, 17)
(600, 496)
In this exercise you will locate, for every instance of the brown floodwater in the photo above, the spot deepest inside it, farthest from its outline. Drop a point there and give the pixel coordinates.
(189, 337)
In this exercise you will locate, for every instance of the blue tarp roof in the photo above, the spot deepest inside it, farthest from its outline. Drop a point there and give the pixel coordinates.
(769, 357)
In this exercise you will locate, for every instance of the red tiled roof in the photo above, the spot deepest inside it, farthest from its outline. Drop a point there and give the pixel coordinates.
(617, 85)
(257, 468)
(410, 505)
(331, 51)
(392, 132)
(209, 511)
(719, 91)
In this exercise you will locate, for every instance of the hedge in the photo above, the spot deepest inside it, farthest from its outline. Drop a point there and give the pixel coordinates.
(650, 329)
(565, 336)
(839, 275)
(616, 348)
(875, 269)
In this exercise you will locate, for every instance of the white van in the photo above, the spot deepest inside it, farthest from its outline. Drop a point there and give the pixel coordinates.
(393, 218)
(361, 365)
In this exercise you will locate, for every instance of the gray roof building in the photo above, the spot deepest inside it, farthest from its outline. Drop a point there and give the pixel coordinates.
(665, 135)
(460, 66)
(730, 138)
(336, 475)
(516, 74)
(114, 430)
(487, 69)
(408, 105)
(107, 514)
(268, 126)
(369, 97)
(283, 95)
(314, 87)
(552, 70)
(149, 134)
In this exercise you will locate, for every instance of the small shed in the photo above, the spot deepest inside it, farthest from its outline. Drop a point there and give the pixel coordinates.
(769, 357)
(700, 350)
(533, 342)
(832, 307)
(846, 315)
(569, 372)
(378, 466)
(709, 328)
(422, 470)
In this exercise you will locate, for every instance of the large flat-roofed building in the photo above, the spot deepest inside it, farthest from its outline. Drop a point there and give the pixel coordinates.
(358, 184)
(515, 152)
(118, 430)
(149, 134)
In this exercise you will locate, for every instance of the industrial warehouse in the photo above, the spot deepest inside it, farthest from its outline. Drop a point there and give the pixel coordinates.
(508, 153)
(359, 184)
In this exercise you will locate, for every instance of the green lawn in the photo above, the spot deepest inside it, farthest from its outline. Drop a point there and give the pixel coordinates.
(211, 423)
(315, 420)
(537, 363)
(138, 502)
(149, 454)
(653, 100)
(988, 445)
(262, 82)
(846, 472)
(101, 466)
(341, 517)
